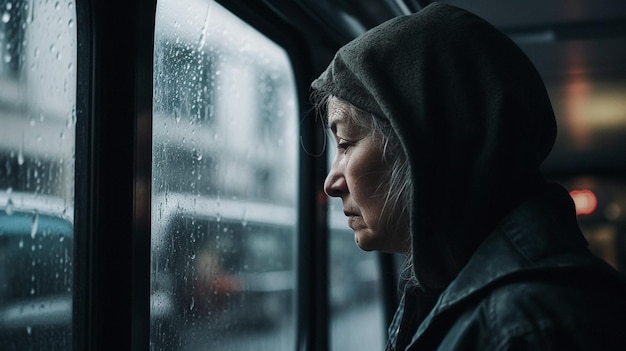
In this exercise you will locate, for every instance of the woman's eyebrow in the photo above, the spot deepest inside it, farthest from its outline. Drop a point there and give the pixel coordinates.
(335, 120)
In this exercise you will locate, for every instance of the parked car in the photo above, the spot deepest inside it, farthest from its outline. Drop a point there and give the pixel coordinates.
(36, 243)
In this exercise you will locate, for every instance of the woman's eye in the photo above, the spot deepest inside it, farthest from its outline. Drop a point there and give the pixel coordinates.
(343, 146)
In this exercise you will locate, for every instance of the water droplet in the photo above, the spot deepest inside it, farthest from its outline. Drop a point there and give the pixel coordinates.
(6, 17)
(192, 255)
(9, 207)
(34, 225)
(29, 330)
(7, 58)
(20, 153)
(193, 303)
(70, 23)
(71, 119)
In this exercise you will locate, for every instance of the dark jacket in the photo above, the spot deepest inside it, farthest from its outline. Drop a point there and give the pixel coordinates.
(531, 285)
(496, 251)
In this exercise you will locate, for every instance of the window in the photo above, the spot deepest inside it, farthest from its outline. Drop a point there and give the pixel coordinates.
(38, 116)
(224, 197)
(355, 286)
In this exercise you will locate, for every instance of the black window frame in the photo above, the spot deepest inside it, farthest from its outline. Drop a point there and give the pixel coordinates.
(113, 172)
(112, 196)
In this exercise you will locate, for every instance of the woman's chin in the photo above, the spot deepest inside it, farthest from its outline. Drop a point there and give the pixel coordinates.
(364, 243)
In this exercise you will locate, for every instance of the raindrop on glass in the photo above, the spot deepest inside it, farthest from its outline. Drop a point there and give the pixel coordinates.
(9, 206)
(20, 153)
(34, 225)
(6, 17)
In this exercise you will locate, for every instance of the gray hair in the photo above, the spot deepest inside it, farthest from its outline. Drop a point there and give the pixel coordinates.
(399, 184)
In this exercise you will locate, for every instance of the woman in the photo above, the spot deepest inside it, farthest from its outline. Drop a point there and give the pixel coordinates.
(441, 124)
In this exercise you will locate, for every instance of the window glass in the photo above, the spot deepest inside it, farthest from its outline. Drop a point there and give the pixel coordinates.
(355, 295)
(225, 146)
(37, 134)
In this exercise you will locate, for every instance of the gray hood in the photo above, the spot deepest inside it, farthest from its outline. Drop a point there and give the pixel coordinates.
(472, 114)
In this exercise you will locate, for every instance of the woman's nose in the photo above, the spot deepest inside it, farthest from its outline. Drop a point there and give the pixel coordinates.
(335, 183)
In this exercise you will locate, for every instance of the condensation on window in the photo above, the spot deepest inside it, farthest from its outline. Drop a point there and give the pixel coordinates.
(38, 43)
(225, 145)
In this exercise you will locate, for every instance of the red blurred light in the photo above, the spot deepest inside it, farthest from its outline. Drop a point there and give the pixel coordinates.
(585, 201)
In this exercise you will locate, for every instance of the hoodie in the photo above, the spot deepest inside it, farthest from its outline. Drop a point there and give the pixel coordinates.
(497, 252)
(472, 114)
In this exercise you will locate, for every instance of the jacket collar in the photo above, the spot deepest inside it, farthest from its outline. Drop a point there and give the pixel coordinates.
(541, 233)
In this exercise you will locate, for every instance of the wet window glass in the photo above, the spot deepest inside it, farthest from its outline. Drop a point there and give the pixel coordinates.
(225, 144)
(37, 115)
(355, 295)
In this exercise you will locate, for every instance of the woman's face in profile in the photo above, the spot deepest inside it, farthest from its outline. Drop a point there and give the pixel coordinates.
(357, 175)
